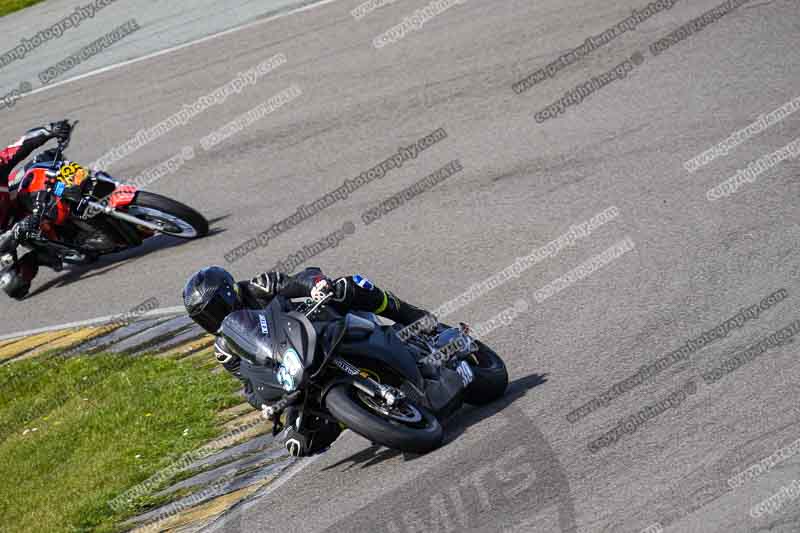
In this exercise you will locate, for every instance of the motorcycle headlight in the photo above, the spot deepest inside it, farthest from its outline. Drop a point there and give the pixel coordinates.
(290, 371)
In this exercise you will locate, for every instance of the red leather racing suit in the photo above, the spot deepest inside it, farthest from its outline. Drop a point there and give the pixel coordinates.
(9, 158)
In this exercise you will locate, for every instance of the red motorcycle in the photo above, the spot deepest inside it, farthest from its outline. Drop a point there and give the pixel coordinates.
(88, 214)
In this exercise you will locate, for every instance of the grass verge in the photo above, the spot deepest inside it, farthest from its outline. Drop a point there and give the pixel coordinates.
(9, 6)
(75, 433)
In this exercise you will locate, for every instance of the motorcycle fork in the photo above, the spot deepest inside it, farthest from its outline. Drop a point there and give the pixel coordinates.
(362, 381)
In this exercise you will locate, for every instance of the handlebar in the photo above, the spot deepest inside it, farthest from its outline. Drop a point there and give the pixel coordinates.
(62, 145)
(318, 304)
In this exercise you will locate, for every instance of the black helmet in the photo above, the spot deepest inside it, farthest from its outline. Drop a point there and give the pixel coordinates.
(209, 296)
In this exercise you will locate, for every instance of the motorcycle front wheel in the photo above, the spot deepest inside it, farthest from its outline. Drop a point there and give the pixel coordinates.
(404, 426)
(175, 218)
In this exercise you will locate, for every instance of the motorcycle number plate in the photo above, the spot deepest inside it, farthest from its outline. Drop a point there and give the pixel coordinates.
(71, 174)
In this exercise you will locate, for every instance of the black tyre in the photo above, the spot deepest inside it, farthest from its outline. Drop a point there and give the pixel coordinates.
(13, 285)
(491, 377)
(176, 219)
(409, 429)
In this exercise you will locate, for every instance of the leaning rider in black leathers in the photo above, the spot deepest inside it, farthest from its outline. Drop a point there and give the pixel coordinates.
(212, 294)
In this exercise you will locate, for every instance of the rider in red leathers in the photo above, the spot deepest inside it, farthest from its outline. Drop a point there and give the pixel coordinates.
(16, 226)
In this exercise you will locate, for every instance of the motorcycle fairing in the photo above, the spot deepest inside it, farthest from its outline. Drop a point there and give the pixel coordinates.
(384, 346)
(262, 336)
(445, 393)
(244, 336)
(122, 197)
(263, 380)
(35, 180)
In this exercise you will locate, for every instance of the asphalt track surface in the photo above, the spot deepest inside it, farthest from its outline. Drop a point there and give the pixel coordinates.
(519, 465)
(162, 25)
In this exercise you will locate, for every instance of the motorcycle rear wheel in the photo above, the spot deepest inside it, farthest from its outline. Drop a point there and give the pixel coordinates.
(490, 379)
(412, 429)
(490, 376)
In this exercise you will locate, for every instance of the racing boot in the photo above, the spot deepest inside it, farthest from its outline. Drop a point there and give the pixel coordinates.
(16, 281)
(359, 293)
(314, 436)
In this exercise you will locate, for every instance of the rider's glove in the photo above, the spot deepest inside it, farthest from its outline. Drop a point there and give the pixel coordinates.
(340, 290)
(27, 228)
(59, 130)
(322, 289)
(269, 282)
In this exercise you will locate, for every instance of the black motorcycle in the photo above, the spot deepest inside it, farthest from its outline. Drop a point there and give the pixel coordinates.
(355, 371)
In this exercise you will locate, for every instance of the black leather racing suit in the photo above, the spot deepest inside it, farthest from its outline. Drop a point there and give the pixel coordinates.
(357, 294)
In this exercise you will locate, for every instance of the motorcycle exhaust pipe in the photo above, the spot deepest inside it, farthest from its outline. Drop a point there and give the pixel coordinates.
(110, 211)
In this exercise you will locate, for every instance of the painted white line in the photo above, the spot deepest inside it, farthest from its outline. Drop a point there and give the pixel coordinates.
(176, 48)
(179, 309)
(298, 466)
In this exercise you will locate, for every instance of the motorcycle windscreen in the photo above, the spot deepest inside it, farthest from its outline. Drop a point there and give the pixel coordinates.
(249, 334)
